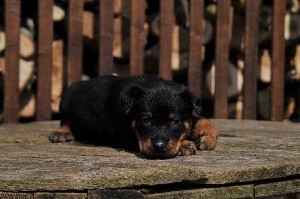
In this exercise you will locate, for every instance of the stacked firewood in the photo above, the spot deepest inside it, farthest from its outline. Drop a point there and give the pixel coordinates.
(180, 36)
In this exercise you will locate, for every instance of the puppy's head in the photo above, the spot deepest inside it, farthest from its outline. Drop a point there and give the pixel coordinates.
(161, 116)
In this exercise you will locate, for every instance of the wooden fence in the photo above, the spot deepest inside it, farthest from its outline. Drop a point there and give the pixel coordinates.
(74, 51)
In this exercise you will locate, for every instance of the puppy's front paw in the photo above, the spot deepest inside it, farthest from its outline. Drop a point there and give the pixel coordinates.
(59, 137)
(187, 148)
(62, 135)
(205, 134)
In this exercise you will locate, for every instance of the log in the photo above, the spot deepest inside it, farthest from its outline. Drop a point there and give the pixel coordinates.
(27, 43)
(290, 108)
(28, 110)
(117, 7)
(265, 67)
(297, 62)
(2, 64)
(58, 13)
(117, 37)
(26, 71)
(57, 74)
(89, 24)
(175, 56)
(2, 41)
(236, 80)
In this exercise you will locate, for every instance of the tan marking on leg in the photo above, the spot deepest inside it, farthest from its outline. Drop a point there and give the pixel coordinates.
(64, 129)
(205, 134)
(187, 148)
(63, 134)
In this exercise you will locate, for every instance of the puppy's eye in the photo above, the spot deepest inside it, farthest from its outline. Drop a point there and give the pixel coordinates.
(146, 120)
(175, 122)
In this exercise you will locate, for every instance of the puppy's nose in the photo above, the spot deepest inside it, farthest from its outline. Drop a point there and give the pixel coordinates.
(160, 145)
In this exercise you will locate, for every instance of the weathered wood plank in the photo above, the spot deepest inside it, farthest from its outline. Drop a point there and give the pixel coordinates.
(11, 89)
(165, 39)
(44, 195)
(44, 60)
(105, 37)
(107, 194)
(137, 37)
(222, 59)
(251, 62)
(195, 47)
(252, 151)
(75, 41)
(278, 62)
(5, 195)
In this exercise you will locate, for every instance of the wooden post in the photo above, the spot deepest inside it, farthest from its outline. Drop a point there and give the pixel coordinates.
(106, 37)
(137, 37)
(75, 41)
(11, 75)
(195, 46)
(222, 58)
(251, 62)
(165, 38)
(44, 61)
(278, 63)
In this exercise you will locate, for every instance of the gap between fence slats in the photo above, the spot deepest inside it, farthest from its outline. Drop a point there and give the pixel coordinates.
(11, 76)
(137, 37)
(251, 62)
(105, 37)
(195, 46)
(167, 22)
(278, 63)
(75, 41)
(222, 58)
(44, 60)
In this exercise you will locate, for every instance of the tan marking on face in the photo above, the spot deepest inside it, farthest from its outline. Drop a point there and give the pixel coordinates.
(145, 145)
(173, 146)
(149, 114)
(133, 123)
(171, 116)
(64, 129)
(186, 125)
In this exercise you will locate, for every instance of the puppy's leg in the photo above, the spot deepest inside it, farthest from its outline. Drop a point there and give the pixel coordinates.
(205, 134)
(62, 135)
(187, 148)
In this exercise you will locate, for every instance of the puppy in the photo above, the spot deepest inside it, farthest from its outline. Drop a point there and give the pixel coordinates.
(146, 114)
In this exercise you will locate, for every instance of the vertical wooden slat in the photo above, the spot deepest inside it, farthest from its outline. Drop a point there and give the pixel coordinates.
(251, 62)
(222, 58)
(44, 59)
(166, 30)
(278, 50)
(137, 37)
(105, 37)
(11, 76)
(195, 46)
(75, 41)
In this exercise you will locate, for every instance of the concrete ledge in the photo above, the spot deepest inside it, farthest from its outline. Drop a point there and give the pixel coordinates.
(252, 159)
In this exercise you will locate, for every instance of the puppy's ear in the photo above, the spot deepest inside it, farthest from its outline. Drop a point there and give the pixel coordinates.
(128, 96)
(193, 99)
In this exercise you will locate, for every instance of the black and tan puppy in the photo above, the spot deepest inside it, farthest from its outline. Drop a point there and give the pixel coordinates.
(143, 113)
